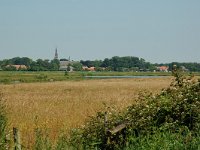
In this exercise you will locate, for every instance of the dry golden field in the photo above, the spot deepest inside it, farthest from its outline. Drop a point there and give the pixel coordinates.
(64, 105)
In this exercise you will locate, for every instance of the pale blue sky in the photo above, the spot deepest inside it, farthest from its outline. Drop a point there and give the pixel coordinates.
(156, 30)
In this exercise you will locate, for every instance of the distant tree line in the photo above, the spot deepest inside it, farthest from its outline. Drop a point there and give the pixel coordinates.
(193, 67)
(38, 65)
(130, 63)
(116, 63)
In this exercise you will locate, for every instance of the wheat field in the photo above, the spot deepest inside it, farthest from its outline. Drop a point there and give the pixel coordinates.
(61, 106)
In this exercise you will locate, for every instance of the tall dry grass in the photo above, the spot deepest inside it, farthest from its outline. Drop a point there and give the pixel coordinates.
(64, 105)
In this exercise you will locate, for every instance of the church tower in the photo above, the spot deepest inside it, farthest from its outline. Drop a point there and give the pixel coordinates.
(56, 54)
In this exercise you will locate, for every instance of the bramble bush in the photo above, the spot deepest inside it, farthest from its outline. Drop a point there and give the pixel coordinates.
(175, 111)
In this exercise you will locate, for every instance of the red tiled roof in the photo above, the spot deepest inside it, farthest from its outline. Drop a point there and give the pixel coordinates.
(163, 68)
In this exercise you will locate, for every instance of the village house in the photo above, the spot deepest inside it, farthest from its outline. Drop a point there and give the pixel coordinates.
(85, 68)
(67, 65)
(163, 68)
(18, 67)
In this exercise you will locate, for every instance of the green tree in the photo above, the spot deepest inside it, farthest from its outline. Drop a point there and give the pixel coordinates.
(68, 67)
(54, 65)
(87, 63)
(77, 66)
(106, 63)
(9, 68)
(34, 66)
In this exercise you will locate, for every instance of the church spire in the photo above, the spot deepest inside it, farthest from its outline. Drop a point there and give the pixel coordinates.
(56, 54)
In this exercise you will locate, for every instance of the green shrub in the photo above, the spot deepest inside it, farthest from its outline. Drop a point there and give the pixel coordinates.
(166, 140)
(174, 109)
(3, 123)
(66, 73)
(41, 77)
(5, 81)
(42, 141)
(62, 143)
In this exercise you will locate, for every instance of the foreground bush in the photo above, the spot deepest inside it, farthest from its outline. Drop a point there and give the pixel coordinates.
(166, 140)
(174, 114)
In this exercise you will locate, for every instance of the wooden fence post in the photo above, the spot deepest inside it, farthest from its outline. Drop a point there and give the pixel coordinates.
(107, 138)
(17, 140)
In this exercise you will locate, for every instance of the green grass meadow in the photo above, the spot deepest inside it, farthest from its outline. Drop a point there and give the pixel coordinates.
(8, 77)
(46, 76)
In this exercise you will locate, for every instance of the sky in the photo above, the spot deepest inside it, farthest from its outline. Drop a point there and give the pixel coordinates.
(160, 31)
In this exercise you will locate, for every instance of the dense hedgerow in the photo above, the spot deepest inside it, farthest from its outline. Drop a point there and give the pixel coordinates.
(176, 110)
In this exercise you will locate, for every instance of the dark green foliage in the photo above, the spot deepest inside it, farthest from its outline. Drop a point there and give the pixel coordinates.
(77, 66)
(41, 77)
(116, 63)
(54, 65)
(166, 140)
(9, 68)
(127, 63)
(43, 65)
(16, 61)
(38, 65)
(194, 67)
(63, 143)
(3, 123)
(174, 113)
(66, 73)
(42, 141)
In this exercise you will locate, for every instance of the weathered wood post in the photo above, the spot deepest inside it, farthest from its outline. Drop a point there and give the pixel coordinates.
(107, 138)
(17, 140)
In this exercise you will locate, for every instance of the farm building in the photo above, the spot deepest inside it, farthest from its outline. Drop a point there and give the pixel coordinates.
(163, 68)
(18, 67)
